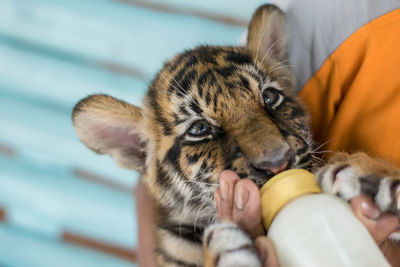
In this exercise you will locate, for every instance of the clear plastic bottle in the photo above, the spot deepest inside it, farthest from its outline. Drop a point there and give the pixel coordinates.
(313, 229)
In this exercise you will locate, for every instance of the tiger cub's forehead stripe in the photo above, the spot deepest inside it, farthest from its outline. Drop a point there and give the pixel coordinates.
(239, 58)
(190, 58)
(180, 84)
(226, 71)
(207, 78)
(158, 111)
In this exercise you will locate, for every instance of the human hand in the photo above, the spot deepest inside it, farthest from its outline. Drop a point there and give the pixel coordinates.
(238, 200)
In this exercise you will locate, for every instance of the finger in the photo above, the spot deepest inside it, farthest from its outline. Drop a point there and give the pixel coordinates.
(225, 193)
(380, 226)
(266, 252)
(217, 198)
(247, 208)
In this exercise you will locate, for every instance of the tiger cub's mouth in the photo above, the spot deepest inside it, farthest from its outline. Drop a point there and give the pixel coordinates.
(261, 176)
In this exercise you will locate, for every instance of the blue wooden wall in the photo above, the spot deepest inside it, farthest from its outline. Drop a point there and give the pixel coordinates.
(53, 53)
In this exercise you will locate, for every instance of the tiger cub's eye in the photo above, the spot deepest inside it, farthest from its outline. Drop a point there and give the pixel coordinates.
(199, 128)
(270, 96)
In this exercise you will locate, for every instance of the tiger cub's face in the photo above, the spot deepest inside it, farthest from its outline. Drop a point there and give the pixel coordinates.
(208, 109)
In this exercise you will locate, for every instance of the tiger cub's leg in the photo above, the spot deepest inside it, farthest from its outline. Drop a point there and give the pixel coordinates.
(350, 175)
(226, 245)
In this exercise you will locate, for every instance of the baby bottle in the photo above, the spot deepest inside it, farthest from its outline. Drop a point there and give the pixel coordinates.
(313, 229)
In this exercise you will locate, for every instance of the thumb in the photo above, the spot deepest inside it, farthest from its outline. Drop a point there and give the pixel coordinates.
(266, 252)
(380, 226)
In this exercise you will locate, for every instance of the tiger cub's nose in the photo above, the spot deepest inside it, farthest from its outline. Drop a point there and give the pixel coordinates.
(278, 163)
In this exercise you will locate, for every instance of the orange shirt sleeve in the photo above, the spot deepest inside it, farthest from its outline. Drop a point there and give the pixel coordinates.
(354, 98)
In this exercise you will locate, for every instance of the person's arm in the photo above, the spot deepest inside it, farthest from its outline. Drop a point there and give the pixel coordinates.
(146, 214)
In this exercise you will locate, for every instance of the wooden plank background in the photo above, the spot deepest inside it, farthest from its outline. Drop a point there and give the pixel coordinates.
(60, 204)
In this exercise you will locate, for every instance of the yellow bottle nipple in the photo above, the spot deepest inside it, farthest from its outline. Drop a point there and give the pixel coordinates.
(282, 188)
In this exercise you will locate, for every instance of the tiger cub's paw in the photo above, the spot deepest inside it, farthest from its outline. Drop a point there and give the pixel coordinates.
(350, 175)
(225, 244)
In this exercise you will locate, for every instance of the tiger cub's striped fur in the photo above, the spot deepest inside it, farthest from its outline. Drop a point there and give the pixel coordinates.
(209, 109)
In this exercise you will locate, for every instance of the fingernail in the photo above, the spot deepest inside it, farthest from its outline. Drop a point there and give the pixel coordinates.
(369, 211)
(261, 254)
(223, 189)
(241, 197)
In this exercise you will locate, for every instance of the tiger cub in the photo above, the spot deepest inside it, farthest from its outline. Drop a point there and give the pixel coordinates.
(213, 108)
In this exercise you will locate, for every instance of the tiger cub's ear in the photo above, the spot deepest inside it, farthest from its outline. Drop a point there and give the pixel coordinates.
(267, 37)
(110, 126)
